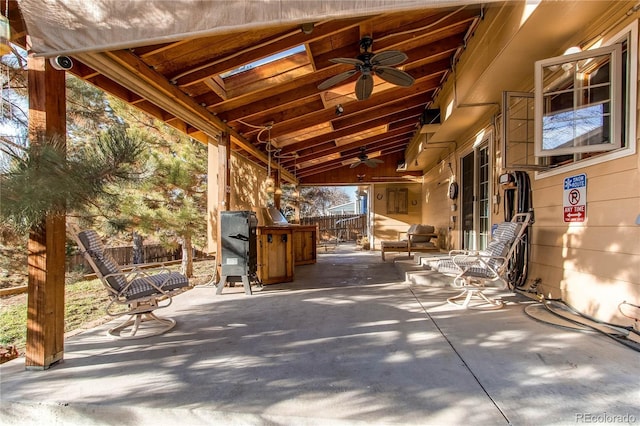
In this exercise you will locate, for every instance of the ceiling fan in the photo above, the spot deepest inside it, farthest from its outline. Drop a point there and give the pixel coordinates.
(363, 158)
(369, 64)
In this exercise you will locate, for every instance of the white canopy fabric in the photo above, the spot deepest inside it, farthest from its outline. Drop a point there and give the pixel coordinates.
(59, 27)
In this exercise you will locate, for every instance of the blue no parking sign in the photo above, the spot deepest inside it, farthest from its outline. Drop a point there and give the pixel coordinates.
(574, 198)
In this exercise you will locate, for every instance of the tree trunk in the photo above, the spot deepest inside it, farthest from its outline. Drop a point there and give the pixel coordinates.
(186, 267)
(138, 248)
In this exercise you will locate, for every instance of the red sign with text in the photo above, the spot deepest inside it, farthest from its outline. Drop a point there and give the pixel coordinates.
(574, 201)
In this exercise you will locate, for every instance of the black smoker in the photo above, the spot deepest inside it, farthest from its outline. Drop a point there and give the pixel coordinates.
(239, 255)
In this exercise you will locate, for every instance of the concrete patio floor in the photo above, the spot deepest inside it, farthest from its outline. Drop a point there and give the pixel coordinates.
(349, 342)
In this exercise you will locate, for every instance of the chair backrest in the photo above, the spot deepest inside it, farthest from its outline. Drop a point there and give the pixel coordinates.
(505, 239)
(101, 262)
(421, 229)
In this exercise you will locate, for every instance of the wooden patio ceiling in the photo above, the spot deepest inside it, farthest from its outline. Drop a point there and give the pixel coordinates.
(215, 84)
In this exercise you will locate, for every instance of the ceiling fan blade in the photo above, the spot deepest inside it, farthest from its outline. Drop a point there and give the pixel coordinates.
(371, 163)
(394, 76)
(356, 164)
(336, 79)
(389, 57)
(348, 61)
(364, 87)
(376, 160)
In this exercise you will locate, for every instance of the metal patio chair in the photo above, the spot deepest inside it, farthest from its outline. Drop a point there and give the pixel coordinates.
(474, 271)
(138, 292)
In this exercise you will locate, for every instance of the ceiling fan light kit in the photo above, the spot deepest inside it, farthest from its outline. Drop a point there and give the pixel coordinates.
(363, 158)
(369, 64)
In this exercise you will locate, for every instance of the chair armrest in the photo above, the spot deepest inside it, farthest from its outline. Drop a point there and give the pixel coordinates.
(458, 252)
(466, 261)
(137, 272)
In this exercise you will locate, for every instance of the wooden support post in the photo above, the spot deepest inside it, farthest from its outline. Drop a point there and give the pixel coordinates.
(224, 188)
(46, 246)
(212, 194)
(225, 169)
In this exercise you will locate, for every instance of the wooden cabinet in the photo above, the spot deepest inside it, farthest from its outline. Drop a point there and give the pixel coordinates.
(280, 248)
(304, 244)
(275, 254)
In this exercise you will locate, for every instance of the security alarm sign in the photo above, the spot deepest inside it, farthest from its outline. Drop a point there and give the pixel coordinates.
(575, 198)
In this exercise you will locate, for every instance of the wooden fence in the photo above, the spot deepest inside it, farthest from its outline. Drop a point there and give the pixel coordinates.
(124, 256)
(348, 227)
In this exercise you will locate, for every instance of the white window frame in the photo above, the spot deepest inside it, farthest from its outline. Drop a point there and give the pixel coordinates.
(629, 33)
(614, 100)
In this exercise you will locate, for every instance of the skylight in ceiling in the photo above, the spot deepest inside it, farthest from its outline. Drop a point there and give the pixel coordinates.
(263, 61)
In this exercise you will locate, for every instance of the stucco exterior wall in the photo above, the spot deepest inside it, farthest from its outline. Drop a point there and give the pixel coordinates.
(385, 225)
(592, 265)
(248, 191)
(437, 210)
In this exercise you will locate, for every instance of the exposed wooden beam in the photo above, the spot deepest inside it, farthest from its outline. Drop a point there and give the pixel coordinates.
(352, 154)
(291, 91)
(310, 153)
(340, 163)
(298, 121)
(432, 25)
(129, 71)
(146, 51)
(385, 110)
(263, 100)
(216, 84)
(414, 112)
(257, 51)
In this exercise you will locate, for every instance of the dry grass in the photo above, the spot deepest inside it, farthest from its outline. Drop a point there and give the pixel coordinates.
(85, 303)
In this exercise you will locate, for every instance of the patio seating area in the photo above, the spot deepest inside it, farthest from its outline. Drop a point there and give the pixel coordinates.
(418, 238)
(353, 340)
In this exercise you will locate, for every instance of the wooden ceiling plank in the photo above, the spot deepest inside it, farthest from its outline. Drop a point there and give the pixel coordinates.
(271, 97)
(300, 122)
(279, 114)
(373, 147)
(388, 37)
(381, 111)
(327, 149)
(276, 92)
(348, 131)
(260, 50)
(147, 51)
(403, 123)
(431, 25)
(216, 54)
(257, 81)
(350, 155)
(340, 163)
(446, 45)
